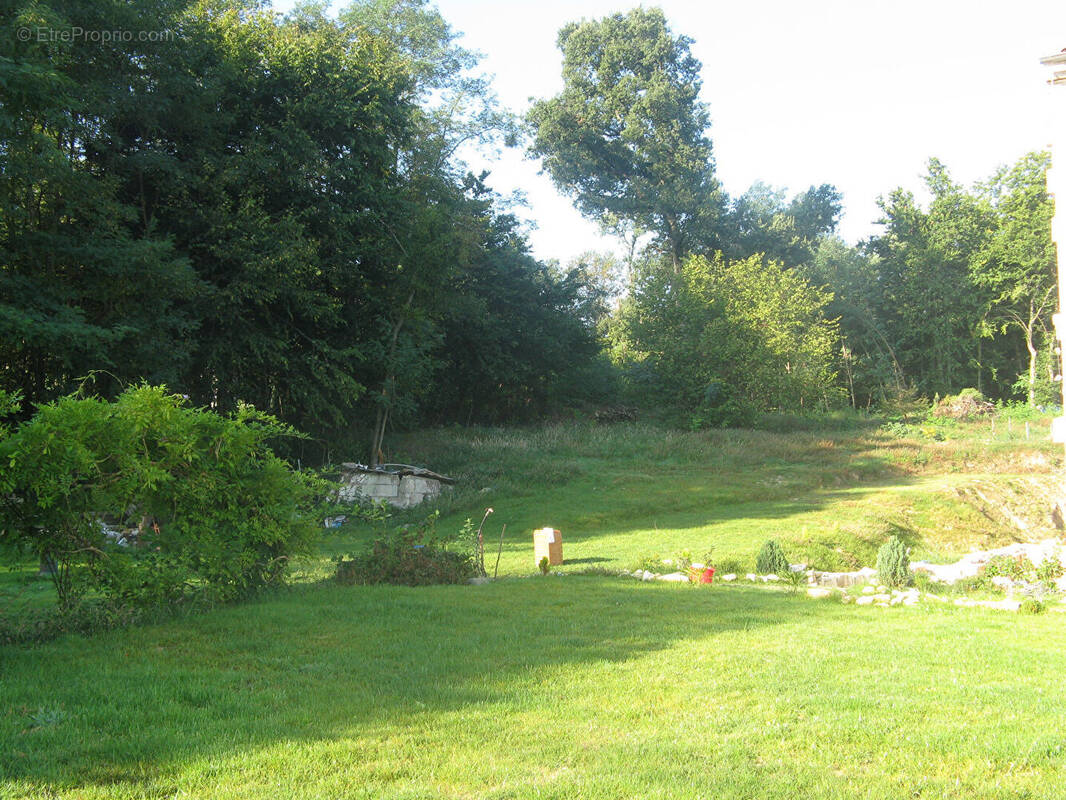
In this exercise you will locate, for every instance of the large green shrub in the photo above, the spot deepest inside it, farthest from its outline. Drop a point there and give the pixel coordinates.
(893, 563)
(216, 513)
(771, 559)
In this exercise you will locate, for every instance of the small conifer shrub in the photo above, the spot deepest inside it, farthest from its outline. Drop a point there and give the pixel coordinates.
(893, 563)
(771, 559)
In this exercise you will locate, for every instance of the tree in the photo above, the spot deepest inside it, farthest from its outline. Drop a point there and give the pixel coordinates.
(726, 340)
(932, 310)
(868, 359)
(627, 136)
(760, 221)
(1018, 261)
(83, 285)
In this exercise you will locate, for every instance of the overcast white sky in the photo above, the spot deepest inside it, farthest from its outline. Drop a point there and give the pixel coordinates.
(857, 93)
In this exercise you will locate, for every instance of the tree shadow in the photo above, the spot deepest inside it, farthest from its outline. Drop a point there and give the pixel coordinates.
(134, 707)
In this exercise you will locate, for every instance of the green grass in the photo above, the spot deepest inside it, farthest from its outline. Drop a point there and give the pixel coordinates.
(543, 687)
(622, 493)
(579, 686)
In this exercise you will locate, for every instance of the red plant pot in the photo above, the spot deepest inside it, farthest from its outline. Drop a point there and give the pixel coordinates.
(707, 576)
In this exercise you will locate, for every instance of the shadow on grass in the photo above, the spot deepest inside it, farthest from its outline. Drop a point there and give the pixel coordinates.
(327, 661)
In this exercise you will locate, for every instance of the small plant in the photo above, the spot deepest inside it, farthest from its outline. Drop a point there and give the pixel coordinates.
(794, 579)
(544, 565)
(46, 717)
(1031, 605)
(771, 559)
(731, 566)
(654, 564)
(893, 563)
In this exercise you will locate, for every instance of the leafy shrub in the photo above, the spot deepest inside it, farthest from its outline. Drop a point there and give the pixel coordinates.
(1049, 571)
(411, 556)
(654, 563)
(893, 563)
(214, 513)
(771, 559)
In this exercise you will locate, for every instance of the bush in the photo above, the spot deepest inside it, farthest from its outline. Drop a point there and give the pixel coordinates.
(771, 559)
(893, 563)
(1031, 605)
(412, 557)
(967, 404)
(203, 504)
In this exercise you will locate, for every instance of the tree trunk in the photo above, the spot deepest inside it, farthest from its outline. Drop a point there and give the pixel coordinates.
(382, 417)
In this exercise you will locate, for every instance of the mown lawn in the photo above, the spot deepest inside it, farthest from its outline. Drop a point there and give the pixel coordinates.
(567, 687)
(584, 686)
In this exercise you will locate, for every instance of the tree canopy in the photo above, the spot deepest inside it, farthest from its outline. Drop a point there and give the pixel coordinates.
(627, 136)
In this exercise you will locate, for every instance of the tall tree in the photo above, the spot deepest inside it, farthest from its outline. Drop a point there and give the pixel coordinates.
(627, 136)
(932, 309)
(761, 221)
(1018, 261)
(83, 285)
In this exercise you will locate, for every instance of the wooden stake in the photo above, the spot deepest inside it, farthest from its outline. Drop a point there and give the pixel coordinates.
(499, 552)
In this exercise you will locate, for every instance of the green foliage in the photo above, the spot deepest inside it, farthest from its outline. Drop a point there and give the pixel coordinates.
(412, 556)
(217, 514)
(893, 563)
(626, 137)
(544, 565)
(268, 209)
(1031, 605)
(772, 560)
(760, 221)
(722, 341)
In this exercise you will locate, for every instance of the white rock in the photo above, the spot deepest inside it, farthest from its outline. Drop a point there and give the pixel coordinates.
(819, 591)
(638, 573)
(730, 577)
(882, 589)
(751, 576)
(868, 590)
(910, 600)
(479, 580)
(674, 577)
(647, 576)
(797, 567)
(882, 597)
(770, 577)
(865, 600)
(698, 565)
(1002, 581)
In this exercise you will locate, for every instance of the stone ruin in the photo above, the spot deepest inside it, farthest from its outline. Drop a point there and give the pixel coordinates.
(398, 485)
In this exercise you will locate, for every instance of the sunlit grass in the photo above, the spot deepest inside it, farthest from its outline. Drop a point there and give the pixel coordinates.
(544, 687)
(577, 686)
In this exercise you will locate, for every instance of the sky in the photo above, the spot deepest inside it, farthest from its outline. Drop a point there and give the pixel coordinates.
(856, 93)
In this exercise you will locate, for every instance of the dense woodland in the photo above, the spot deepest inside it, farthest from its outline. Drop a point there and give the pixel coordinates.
(273, 209)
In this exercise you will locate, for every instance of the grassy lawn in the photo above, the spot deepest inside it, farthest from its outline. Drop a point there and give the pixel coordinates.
(586, 686)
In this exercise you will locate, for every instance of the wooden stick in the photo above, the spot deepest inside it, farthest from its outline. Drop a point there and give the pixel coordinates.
(499, 552)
